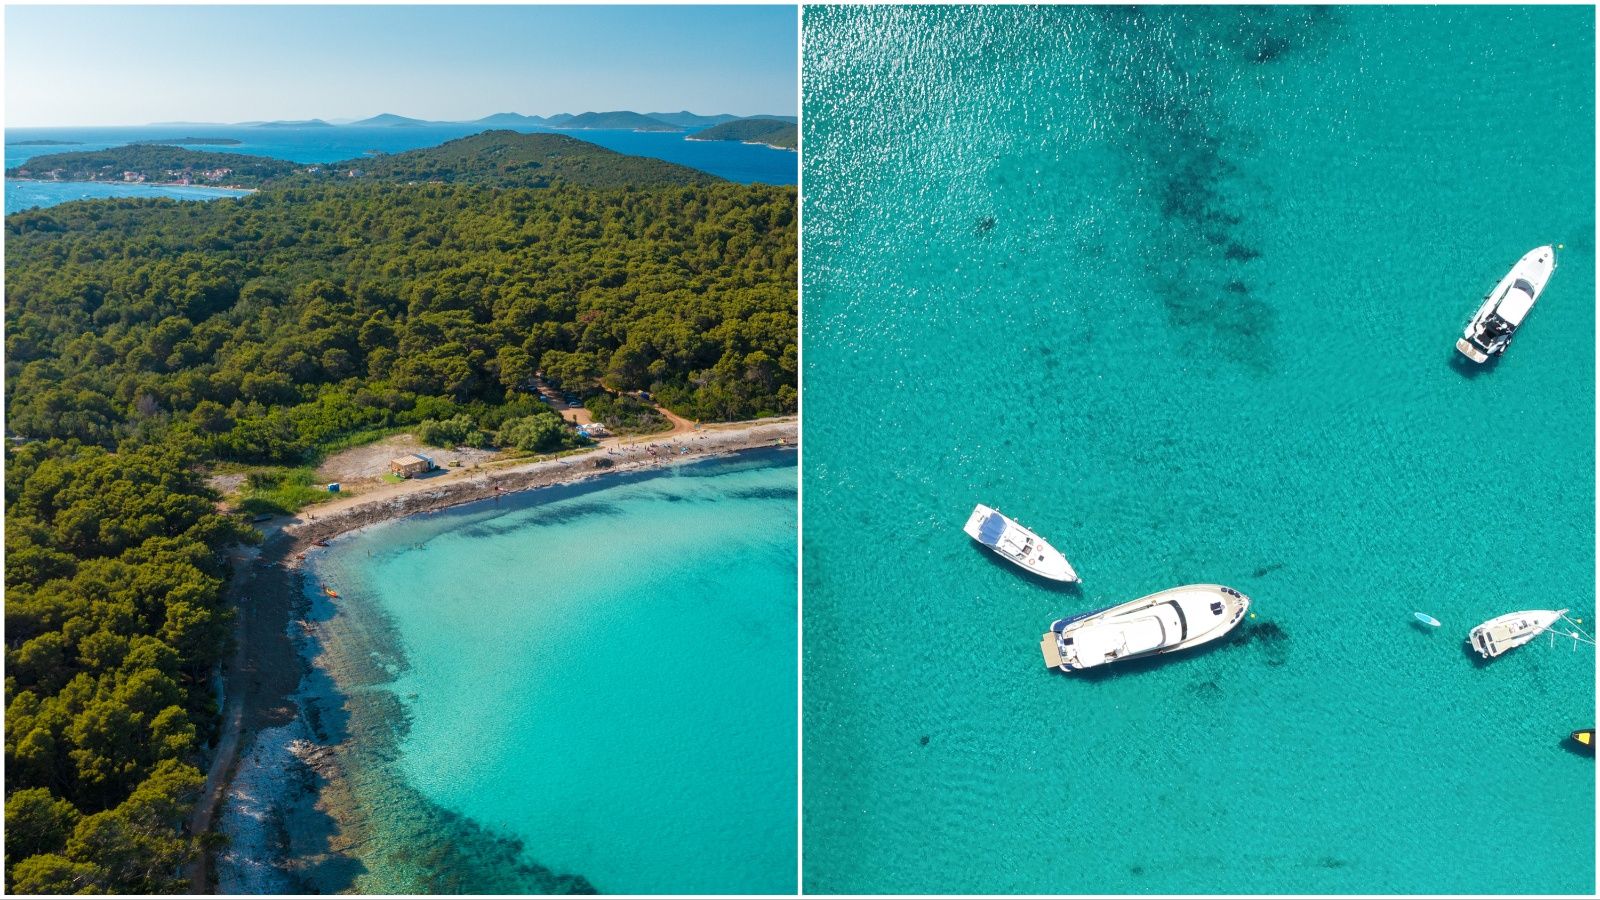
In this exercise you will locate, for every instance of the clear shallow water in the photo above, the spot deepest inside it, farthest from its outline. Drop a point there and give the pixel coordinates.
(21, 195)
(732, 160)
(605, 675)
(1179, 289)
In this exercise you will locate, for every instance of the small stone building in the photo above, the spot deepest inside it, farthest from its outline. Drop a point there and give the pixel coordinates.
(411, 464)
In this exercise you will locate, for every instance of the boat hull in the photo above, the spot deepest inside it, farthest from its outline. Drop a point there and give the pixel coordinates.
(1001, 535)
(1584, 737)
(1175, 619)
(1511, 630)
(1507, 306)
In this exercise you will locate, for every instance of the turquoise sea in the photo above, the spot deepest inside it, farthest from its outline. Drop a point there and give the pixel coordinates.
(744, 163)
(21, 195)
(1179, 288)
(593, 681)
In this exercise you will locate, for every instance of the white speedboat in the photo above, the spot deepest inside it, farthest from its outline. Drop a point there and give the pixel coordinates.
(1170, 620)
(1004, 536)
(1489, 333)
(1502, 633)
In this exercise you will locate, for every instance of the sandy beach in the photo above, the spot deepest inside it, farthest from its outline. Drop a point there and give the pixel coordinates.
(264, 771)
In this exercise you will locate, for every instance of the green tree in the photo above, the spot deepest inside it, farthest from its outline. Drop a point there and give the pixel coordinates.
(540, 434)
(51, 873)
(37, 822)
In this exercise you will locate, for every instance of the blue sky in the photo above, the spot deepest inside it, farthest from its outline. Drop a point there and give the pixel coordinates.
(131, 65)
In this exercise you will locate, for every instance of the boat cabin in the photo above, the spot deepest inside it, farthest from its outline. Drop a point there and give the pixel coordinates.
(1514, 306)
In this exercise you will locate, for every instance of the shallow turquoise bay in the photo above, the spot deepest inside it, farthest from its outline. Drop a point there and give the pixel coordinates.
(1179, 288)
(21, 195)
(605, 672)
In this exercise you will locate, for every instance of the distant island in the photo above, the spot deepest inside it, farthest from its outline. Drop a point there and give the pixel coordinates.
(492, 159)
(510, 118)
(774, 133)
(615, 120)
(213, 141)
(686, 119)
(45, 143)
(622, 120)
(391, 120)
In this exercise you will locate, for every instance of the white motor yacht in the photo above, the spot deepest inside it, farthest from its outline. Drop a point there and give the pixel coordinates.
(1502, 633)
(1004, 536)
(1170, 620)
(1489, 333)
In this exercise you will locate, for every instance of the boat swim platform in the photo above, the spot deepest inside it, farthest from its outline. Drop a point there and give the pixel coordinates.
(1471, 352)
(1051, 650)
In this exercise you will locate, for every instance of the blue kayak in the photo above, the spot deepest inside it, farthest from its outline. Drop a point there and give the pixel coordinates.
(1426, 619)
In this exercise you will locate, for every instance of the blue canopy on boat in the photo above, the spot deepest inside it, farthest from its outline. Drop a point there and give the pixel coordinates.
(991, 529)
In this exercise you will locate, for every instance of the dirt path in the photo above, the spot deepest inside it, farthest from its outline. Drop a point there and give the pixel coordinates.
(679, 423)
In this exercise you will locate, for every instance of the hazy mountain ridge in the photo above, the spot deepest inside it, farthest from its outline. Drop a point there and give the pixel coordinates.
(683, 120)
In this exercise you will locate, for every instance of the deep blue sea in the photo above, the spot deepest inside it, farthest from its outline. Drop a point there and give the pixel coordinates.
(732, 160)
(1179, 287)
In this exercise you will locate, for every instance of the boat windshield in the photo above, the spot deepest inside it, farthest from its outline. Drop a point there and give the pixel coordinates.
(992, 528)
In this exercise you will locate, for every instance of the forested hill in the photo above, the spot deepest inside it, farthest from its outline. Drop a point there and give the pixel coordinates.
(513, 159)
(492, 158)
(774, 132)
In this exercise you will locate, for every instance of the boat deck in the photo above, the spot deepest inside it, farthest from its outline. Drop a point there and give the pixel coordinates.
(1051, 650)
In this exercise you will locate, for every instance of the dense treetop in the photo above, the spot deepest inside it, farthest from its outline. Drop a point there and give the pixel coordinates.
(114, 617)
(269, 324)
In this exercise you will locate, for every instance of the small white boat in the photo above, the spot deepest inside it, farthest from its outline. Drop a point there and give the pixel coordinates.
(1426, 619)
(1502, 633)
(1173, 619)
(1489, 333)
(1004, 536)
